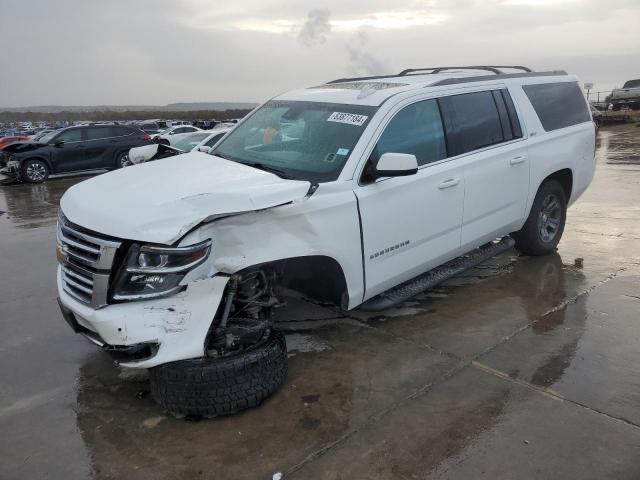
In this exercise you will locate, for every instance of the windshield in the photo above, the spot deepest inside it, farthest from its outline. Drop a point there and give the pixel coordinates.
(303, 140)
(47, 137)
(190, 141)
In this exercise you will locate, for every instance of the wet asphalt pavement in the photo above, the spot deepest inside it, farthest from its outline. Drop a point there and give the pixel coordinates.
(521, 368)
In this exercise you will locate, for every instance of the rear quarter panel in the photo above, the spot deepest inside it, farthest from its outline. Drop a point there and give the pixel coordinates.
(570, 148)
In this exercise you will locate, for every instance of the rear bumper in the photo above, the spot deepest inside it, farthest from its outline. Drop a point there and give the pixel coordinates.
(161, 331)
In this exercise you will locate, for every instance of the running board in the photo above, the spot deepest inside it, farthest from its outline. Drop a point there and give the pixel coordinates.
(427, 280)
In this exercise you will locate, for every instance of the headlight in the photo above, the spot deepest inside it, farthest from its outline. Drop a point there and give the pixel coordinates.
(13, 164)
(152, 272)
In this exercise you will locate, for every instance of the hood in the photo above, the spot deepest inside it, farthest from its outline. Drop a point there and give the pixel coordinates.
(19, 147)
(160, 201)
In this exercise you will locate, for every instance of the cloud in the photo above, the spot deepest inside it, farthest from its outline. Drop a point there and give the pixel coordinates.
(361, 60)
(316, 28)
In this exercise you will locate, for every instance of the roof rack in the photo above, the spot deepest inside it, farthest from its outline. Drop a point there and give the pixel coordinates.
(433, 70)
(491, 68)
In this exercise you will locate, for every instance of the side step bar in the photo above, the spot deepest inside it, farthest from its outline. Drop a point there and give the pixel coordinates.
(427, 280)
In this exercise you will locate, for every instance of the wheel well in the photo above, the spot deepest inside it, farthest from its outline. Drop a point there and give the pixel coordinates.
(319, 277)
(565, 178)
(40, 159)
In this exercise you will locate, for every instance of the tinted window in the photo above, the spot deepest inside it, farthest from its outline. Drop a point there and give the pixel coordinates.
(213, 140)
(513, 115)
(416, 129)
(120, 131)
(472, 121)
(67, 136)
(558, 105)
(632, 84)
(96, 133)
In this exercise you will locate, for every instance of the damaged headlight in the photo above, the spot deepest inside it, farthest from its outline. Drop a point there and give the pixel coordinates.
(13, 164)
(152, 272)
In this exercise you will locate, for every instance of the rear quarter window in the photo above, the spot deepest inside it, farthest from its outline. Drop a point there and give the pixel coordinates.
(558, 105)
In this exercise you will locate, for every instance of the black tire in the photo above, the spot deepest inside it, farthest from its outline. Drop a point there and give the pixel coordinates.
(34, 171)
(210, 387)
(538, 236)
(122, 160)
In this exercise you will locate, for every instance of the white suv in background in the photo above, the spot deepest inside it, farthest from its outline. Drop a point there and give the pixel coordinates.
(341, 191)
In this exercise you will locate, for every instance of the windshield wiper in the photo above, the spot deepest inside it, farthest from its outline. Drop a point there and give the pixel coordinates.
(268, 168)
(258, 165)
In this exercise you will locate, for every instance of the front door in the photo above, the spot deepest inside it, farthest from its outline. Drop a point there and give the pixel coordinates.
(410, 224)
(72, 152)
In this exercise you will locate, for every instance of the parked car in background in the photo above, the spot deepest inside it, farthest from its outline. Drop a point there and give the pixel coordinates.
(8, 140)
(73, 149)
(173, 134)
(627, 96)
(198, 141)
(152, 127)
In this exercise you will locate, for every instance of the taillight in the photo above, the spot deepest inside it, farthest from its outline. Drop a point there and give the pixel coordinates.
(145, 137)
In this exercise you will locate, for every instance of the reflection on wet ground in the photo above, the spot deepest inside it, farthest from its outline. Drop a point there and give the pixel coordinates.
(520, 368)
(620, 149)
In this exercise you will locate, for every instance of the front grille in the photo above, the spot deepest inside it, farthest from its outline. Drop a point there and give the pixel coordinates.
(86, 261)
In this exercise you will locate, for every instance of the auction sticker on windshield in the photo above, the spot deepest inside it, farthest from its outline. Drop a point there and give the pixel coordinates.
(348, 118)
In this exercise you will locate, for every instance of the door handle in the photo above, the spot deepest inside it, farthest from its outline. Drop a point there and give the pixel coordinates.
(517, 160)
(452, 182)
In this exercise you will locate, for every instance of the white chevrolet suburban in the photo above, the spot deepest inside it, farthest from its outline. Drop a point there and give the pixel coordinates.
(347, 192)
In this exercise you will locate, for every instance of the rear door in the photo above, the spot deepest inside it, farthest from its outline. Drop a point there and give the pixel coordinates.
(101, 146)
(484, 132)
(410, 224)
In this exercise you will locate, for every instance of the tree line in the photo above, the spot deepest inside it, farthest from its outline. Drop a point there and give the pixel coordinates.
(110, 116)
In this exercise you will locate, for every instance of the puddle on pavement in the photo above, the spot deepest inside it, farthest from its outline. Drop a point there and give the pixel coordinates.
(620, 149)
(29, 206)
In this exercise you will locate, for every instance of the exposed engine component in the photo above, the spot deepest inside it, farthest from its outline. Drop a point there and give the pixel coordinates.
(247, 316)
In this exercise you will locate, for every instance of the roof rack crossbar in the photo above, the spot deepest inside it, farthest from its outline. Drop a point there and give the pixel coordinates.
(495, 69)
(490, 68)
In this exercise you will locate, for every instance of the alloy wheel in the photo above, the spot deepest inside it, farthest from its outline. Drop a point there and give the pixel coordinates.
(549, 218)
(36, 172)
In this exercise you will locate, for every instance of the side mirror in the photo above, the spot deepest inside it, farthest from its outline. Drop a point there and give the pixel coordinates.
(204, 149)
(58, 143)
(396, 165)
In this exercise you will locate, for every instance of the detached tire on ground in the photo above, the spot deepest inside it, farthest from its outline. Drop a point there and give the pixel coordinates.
(210, 387)
(543, 229)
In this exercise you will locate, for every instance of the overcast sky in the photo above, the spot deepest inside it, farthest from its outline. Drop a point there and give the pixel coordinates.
(88, 52)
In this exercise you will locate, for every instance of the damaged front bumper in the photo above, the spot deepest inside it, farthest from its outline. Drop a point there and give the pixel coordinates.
(10, 172)
(148, 333)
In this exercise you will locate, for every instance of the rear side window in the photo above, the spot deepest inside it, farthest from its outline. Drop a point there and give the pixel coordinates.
(120, 131)
(472, 121)
(558, 105)
(96, 133)
(417, 130)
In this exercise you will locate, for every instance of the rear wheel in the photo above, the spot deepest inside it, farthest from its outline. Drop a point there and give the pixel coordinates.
(543, 229)
(122, 160)
(34, 171)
